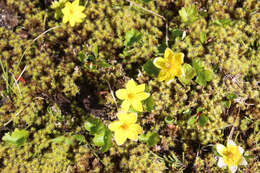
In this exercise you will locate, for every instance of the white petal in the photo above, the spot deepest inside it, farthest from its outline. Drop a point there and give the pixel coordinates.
(241, 150)
(243, 162)
(221, 163)
(220, 148)
(233, 169)
(231, 142)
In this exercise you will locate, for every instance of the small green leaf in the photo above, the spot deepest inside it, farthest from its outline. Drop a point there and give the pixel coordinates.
(226, 103)
(93, 125)
(82, 57)
(169, 120)
(189, 73)
(222, 22)
(149, 104)
(18, 137)
(187, 112)
(176, 33)
(203, 37)
(95, 50)
(203, 119)
(80, 138)
(146, 1)
(103, 64)
(199, 109)
(153, 139)
(189, 14)
(150, 69)
(231, 96)
(132, 37)
(98, 139)
(108, 141)
(192, 120)
(203, 76)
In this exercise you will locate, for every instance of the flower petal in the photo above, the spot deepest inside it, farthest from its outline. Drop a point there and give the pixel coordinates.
(121, 94)
(134, 130)
(162, 75)
(159, 62)
(168, 54)
(178, 71)
(120, 137)
(130, 84)
(220, 148)
(137, 105)
(125, 105)
(221, 163)
(142, 96)
(128, 118)
(75, 3)
(233, 169)
(139, 88)
(243, 162)
(231, 142)
(178, 58)
(114, 125)
(241, 150)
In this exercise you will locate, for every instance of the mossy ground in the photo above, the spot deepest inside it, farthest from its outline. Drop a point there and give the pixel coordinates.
(58, 94)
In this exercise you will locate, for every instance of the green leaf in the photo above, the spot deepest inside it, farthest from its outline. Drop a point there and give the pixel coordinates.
(82, 57)
(95, 50)
(153, 139)
(176, 33)
(98, 139)
(132, 37)
(58, 139)
(146, 1)
(187, 112)
(231, 96)
(80, 138)
(18, 137)
(203, 37)
(203, 76)
(192, 120)
(189, 14)
(215, 151)
(150, 138)
(108, 141)
(189, 73)
(169, 120)
(199, 109)
(103, 64)
(93, 125)
(203, 119)
(149, 104)
(226, 103)
(150, 69)
(222, 22)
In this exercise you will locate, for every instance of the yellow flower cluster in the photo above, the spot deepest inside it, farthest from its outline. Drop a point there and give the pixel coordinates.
(126, 127)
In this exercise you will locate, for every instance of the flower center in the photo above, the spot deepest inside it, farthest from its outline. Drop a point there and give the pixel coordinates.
(71, 11)
(130, 96)
(124, 126)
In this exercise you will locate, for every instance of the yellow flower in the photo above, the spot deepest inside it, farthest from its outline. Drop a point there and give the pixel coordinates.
(125, 127)
(170, 65)
(73, 13)
(132, 96)
(231, 156)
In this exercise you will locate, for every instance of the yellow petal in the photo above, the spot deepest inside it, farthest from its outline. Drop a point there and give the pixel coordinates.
(130, 84)
(125, 105)
(178, 71)
(178, 58)
(121, 94)
(139, 88)
(128, 118)
(65, 19)
(220, 148)
(142, 96)
(162, 75)
(114, 125)
(80, 8)
(72, 22)
(134, 130)
(137, 105)
(75, 3)
(159, 63)
(168, 54)
(120, 137)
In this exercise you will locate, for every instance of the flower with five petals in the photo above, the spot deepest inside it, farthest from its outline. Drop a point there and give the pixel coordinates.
(170, 65)
(132, 96)
(125, 127)
(231, 156)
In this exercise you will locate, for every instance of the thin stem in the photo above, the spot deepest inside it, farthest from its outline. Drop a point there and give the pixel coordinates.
(156, 14)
